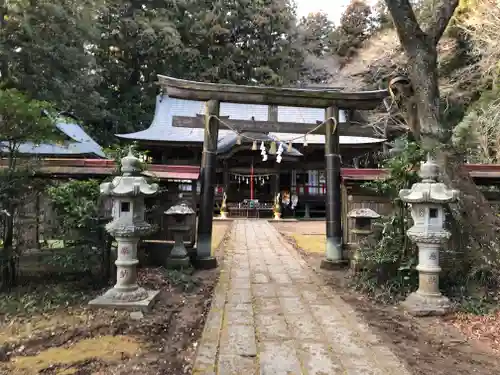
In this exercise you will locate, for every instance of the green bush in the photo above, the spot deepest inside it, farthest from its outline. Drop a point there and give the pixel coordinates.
(77, 206)
(389, 258)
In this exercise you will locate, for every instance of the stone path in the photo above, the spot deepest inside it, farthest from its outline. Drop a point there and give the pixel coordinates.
(272, 315)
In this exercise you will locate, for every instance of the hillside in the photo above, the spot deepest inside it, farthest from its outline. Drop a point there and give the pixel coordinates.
(468, 57)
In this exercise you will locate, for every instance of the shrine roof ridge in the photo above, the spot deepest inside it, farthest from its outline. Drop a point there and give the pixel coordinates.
(298, 97)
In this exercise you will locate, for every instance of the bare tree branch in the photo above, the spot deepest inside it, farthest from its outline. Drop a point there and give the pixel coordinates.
(440, 18)
(408, 27)
(405, 21)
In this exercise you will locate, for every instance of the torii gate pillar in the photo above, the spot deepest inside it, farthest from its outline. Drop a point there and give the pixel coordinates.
(204, 258)
(334, 258)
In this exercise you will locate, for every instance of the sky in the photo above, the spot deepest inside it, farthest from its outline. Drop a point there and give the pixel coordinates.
(333, 8)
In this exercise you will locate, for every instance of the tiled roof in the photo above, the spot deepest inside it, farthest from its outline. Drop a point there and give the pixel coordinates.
(161, 128)
(81, 144)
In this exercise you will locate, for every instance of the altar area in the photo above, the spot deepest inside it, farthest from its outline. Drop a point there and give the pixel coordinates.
(254, 194)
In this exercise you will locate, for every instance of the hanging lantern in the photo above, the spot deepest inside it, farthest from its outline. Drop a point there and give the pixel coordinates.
(246, 180)
(238, 140)
(289, 149)
(272, 148)
(262, 146)
(280, 149)
(264, 158)
(278, 159)
(254, 146)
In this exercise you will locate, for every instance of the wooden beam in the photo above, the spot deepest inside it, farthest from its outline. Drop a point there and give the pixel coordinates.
(312, 97)
(272, 127)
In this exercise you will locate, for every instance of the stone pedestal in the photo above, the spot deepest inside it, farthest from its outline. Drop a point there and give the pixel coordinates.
(126, 293)
(178, 257)
(427, 300)
(331, 265)
(427, 199)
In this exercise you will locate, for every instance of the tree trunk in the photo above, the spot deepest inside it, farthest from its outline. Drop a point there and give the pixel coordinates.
(476, 215)
(8, 264)
(473, 211)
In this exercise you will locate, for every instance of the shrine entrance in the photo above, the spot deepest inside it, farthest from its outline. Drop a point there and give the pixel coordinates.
(253, 186)
(331, 101)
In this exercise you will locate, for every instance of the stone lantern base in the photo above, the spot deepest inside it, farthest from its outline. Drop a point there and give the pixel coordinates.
(126, 294)
(111, 299)
(427, 305)
(179, 257)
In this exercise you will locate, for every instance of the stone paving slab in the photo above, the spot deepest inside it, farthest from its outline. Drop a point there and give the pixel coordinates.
(272, 315)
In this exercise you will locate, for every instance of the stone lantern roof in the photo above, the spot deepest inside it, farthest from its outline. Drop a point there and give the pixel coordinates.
(429, 190)
(180, 209)
(130, 183)
(363, 213)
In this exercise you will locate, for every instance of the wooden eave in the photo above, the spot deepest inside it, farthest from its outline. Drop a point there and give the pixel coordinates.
(294, 97)
(103, 167)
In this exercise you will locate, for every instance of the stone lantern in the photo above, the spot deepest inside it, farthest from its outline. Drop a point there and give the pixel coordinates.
(427, 200)
(179, 256)
(363, 218)
(128, 226)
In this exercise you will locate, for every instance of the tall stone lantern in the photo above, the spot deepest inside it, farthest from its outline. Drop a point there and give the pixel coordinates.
(128, 226)
(427, 199)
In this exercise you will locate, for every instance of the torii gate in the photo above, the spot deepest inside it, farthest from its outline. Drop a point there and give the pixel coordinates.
(330, 99)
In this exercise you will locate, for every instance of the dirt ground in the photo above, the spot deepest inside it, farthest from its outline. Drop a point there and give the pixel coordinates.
(427, 345)
(73, 339)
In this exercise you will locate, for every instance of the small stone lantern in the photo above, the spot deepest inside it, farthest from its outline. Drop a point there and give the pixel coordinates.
(427, 200)
(128, 226)
(363, 218)
(179, 256)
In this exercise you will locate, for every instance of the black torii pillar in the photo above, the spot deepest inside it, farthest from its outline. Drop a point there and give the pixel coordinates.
(334, 258)
(204, 258)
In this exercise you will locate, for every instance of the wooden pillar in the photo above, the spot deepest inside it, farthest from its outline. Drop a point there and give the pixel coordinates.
(333, 193)
(204, 258)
